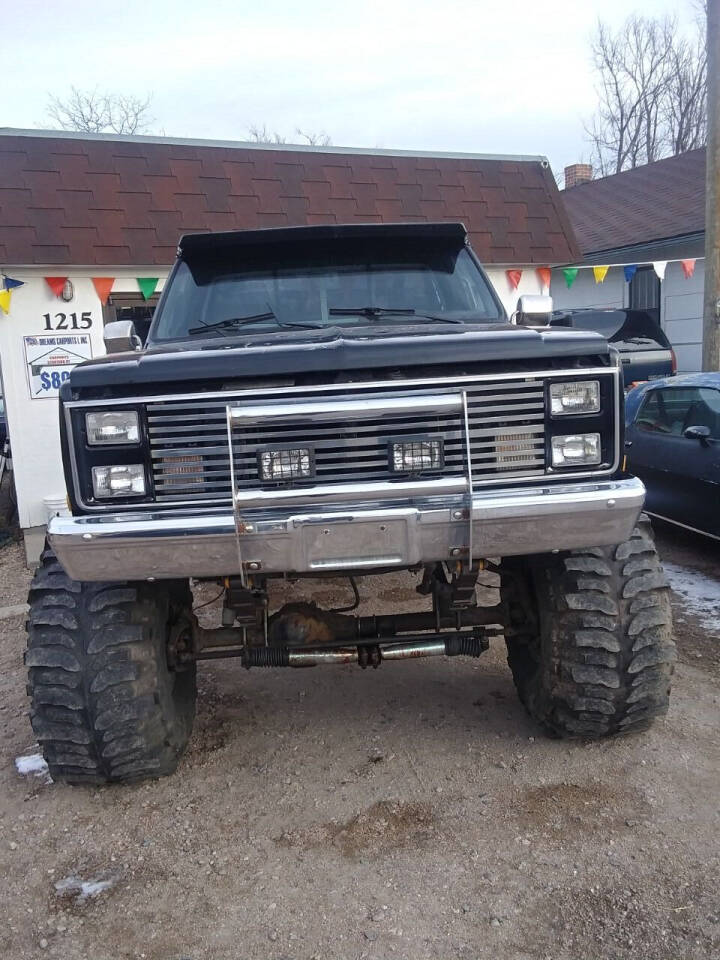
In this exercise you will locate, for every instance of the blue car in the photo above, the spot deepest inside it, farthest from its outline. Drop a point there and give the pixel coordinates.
(672, 442)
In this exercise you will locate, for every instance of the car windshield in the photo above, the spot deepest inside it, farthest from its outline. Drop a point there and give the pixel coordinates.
(345, 284)
(673, 409)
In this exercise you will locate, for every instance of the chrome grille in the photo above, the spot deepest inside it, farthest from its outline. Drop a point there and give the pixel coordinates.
(189, 438)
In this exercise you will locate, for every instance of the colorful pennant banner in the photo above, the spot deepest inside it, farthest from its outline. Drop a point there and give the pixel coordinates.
(147, 285)
(630, 269)
(600, 273)
(513, 277)
(544, 276)
(103, 286)
(56, 284)
(5, 296)
(10, 284)
(570, 275)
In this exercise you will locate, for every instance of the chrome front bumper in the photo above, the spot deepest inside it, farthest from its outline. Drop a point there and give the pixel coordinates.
(514, 522)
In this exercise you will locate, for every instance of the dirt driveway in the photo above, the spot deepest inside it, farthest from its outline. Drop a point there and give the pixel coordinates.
(410, 812)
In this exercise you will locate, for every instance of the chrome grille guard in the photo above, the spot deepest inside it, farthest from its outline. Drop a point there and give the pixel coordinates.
(370, 491)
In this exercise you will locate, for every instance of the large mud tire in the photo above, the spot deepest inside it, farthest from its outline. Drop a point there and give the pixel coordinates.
(105, 707)
(591, 648)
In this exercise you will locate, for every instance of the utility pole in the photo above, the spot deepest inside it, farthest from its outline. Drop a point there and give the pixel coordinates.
(711, 312)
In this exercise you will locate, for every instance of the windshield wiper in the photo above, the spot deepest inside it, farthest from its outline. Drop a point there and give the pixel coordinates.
(252, 318)
(371, 313)
(376, 313)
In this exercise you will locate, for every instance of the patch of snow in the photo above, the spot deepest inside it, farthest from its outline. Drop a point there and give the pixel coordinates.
(698, 593)
(93, 888)
(82, 890)
(33, 765)
(14, 610)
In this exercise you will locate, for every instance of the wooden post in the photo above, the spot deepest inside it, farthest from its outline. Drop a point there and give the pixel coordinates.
(711, 312)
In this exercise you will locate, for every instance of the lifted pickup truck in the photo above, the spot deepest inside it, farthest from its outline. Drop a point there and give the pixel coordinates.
(339, 401)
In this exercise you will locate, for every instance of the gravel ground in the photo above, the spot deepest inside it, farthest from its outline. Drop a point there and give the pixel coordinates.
(14, 578)
(412, 812)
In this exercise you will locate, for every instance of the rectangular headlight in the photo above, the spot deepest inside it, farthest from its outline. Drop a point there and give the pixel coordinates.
(580, 396)
(118, 426)
(578, 449)
(293, 463)
(416, 455)
(121, 481)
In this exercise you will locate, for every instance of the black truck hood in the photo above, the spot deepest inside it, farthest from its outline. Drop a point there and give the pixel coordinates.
(333, 350)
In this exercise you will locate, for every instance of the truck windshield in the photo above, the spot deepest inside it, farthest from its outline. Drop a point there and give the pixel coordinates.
(346, 285)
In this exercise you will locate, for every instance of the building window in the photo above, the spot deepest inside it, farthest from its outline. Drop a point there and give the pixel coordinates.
(645, 291)
(131, 306)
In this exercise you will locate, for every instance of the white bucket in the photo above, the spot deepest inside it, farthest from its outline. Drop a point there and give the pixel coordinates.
(56, 505)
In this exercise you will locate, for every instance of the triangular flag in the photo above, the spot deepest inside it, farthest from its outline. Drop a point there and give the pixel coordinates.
(513, 277)
(570, 275)
(600, 274)
(5, 300)
(147, 286)
(544, 275)
(659, 268)
(10, 284)
(688, 268)
(103, 286)
(56, 284)
(630, 270)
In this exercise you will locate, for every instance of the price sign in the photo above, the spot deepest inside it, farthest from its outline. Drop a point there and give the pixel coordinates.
(50, 359)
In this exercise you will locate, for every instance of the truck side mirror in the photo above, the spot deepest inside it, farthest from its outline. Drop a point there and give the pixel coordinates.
(120, 336)
(534, 310)
(698, 433)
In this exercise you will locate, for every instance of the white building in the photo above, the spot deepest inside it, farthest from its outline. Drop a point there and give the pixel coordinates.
(652, 213)
(105, 213)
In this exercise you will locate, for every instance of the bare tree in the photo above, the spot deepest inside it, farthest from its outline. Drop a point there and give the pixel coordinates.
(93, 111)
(651, 93)
(314, 139)
(685, 106)
(263, 135)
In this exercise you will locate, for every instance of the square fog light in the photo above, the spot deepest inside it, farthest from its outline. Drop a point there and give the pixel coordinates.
(115, 426)
(287, 463)
(416, 454)
(576, 450)
(120, 481)
(577, 397)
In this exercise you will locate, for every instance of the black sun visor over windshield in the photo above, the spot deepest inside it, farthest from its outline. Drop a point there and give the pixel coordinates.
(198, 243)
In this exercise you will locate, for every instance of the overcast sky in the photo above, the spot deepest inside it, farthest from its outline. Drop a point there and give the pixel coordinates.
(484, 76)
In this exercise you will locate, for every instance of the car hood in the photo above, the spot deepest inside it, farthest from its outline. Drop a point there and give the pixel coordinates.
(332, 350)
(625, 329)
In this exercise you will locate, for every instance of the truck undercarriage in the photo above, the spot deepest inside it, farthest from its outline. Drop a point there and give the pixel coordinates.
(303, 634)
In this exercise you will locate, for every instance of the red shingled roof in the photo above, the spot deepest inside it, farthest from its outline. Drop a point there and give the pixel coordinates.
(97, 200)
(653, 202)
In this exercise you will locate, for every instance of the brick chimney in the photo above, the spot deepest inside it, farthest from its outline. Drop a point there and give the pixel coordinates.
(577, 173)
